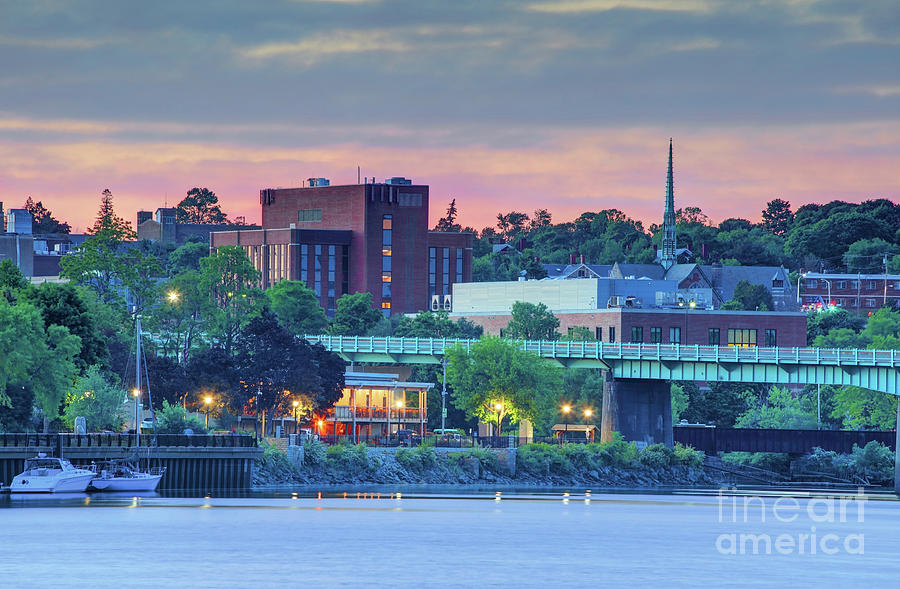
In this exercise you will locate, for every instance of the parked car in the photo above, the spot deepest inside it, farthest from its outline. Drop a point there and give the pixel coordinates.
(408, 437)
(147, 423)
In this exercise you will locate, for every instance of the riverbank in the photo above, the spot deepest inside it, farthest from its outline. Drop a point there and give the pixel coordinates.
(610, 465)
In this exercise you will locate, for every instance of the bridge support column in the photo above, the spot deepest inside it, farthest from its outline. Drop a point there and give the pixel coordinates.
(897, 452)
(640, 410)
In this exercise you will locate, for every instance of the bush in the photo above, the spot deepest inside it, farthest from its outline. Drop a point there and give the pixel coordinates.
(543, 459)
(657, 456)
(874, 462)
(618, 452)
(487, 460)
(173, 419)
(347, 459)
(688, 456)
(419, 459)
(771, 461)
(314, 453)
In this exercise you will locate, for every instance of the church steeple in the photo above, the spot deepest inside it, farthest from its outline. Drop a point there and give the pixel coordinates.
(668, 257)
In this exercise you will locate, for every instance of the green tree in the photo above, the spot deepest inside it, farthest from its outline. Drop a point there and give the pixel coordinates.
(447, 223)
(297, 307)
(42, 220)
(777, 216)
(680, 401)
(32, 354)
(101, 261)
(780, 409)
(532, 322)
(229, 278)
(201, 206)
(750, 297)
(187, 257)
(12, 282)
(860, 408)
(173, 419)
(62, 304)
(579, 334)
(822, 322)
(95, 398)
(867, 256)
(437, 325)
(178, 318)
(495, 379)
(354, 315)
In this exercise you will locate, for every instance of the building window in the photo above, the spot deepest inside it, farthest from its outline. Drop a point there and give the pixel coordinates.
(309, 216)
(871, 303)
(771, 338)
(331, 268)
(637, 335)
(777, 284)
(459, 262)
(445, 284)
(674, 335)
(387, 257)
(854, 284)
(598, 333)
(872, 285)
(304, 263)
(742, 338)
(841, 284)
(714, 336)
(317, 269)
(432, 271)
(656, 335)
(409, 199)
(612, 335)
(811, 284)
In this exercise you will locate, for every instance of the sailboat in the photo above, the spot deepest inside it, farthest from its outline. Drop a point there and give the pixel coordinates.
(126, 475)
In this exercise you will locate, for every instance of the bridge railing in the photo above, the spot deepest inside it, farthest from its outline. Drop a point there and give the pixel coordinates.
(392, 346)
(123, 440)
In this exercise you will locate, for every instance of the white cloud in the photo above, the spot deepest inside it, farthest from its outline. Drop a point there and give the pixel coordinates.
(579, 6)
(881, 91)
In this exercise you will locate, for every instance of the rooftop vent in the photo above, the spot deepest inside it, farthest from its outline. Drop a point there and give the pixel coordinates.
(313, 182)
(399, 181)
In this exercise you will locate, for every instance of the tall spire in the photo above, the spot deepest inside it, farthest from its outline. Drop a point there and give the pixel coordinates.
(668, 257)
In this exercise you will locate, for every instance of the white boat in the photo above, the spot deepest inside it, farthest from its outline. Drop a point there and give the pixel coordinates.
(121, 476)
(44, 474)
(125, 475)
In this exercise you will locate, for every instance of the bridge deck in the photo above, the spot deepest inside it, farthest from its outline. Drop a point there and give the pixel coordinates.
(873, 369)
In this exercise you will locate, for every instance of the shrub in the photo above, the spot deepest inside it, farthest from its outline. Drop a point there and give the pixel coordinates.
(314, 453)
(873, 462)
(618, 452)
(346, 458)
(657, 456)
(543, 459)
(173, 419)
(772, 461)
(487, 460)
(688, 456)
(418, 459)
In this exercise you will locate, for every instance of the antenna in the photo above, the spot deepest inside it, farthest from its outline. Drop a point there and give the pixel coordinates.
(357, 174)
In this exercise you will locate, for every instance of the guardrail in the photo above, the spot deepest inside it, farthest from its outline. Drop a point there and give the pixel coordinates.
(391, 346)
(106, 440)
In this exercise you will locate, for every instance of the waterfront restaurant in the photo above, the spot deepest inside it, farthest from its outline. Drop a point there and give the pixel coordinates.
(375, 405)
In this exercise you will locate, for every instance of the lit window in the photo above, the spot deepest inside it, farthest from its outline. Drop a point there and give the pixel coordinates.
(385, 252)
(386, 277)
(386, 305)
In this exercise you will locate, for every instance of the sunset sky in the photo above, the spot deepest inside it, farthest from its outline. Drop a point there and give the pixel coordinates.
(503, 105)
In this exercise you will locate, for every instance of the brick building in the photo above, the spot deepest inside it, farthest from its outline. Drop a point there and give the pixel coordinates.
(370, 237)
(858, 292)
(628, 311)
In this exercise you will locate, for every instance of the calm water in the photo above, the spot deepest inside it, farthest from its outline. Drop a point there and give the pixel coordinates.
(514, 539)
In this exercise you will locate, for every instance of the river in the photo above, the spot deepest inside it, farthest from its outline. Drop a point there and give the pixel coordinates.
(379, 538)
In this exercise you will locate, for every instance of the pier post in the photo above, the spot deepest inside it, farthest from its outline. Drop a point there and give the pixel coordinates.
(640, 410)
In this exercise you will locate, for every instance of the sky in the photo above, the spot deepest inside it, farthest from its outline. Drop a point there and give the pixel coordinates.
(503, 105)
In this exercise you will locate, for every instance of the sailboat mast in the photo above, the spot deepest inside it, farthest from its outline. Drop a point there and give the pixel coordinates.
(137, 384)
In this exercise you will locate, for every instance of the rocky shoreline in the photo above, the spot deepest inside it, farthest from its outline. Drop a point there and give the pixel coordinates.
(464, 469)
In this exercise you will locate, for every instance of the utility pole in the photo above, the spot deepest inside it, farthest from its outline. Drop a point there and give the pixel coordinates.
(884, 302)
(444, 394)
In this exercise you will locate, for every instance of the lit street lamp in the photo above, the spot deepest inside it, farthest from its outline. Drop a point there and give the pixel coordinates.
(173, 296)
(587, 417)
(565, 410)
(207, 402)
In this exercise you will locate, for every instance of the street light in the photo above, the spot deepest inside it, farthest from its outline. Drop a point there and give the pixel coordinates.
(565, 410)
(499, 408)
(587, 416)
(173, 296)
(207, 401)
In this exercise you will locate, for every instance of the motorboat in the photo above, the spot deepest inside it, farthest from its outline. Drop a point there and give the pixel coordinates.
(47, 474)
(119, 475)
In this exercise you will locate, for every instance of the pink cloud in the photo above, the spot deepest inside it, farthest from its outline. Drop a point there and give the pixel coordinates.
(726, 172)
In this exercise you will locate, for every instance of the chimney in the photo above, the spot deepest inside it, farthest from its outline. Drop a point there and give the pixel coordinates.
(572, 259)
(582, 258)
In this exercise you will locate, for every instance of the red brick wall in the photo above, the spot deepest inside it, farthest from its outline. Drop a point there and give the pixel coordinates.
(790, 327)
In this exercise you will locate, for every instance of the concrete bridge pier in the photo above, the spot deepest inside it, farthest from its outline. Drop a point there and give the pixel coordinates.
(640, 410)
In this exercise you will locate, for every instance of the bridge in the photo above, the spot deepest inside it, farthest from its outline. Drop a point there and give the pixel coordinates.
(636, 396)
(878, 370)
